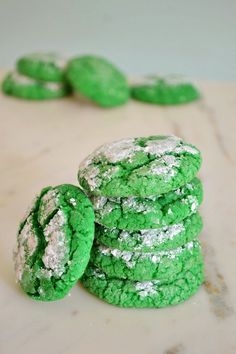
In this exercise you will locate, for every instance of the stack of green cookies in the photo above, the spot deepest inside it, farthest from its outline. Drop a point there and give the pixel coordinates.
(146, 196)
(37, 77)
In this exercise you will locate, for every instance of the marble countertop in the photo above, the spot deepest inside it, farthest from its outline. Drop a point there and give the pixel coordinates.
(42, 144)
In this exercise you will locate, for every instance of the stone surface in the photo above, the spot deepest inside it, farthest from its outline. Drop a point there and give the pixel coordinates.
(43, 144)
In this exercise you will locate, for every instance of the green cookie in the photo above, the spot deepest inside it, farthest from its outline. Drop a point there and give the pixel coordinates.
(54, 242)
(164, 265)
(137, 294)
(43, 67)
(151, 240)
(135, 213)
(139, 167)
(99, 80)
(24, 87)
(170, 90)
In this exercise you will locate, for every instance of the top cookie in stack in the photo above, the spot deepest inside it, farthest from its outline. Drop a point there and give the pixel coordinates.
(141, 167)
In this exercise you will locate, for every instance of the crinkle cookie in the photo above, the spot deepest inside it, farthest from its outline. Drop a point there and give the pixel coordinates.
(170, 90)
(54, 242)
(142, 167)
(24, 87)
(135, 213)
(141, 294)
(151, 240)
(163, 265)
(42, 67)
(99, 80)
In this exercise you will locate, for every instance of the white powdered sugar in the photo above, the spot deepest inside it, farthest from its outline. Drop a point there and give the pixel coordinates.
(73, 202)
(118, 150)
(48, 204)
(138, 205)
(192, 201)
(25, 80)
(164, 166)
(26, 245)
(130, 258)
(49, 58)
(99, 202)
(104, 206)
(92, 177)
(146, 288)
(154, 237)
(97, 273)
(53, 86)
(56, 253)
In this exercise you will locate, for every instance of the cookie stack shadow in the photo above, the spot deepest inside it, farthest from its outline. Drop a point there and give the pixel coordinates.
(146, 251)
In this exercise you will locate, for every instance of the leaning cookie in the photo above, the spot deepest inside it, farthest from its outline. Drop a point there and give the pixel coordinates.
(170, 90)
(23, 87)
(134, 213)
(139, 167)
(54, 242)
(163, 265)
(151, 240)
(146, 294)
(43, 67)
(99, 80)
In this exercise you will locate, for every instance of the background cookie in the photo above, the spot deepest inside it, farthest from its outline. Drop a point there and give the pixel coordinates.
(54, 243)
(99, 80)
(24, 87)
(43, 67)
(170, 90)
(152, 294)
(139, 167)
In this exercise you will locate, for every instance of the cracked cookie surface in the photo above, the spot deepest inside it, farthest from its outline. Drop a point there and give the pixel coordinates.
(135, 213)
(162, 265)
(146, 294)
(54, 242)
(141, 167)
(151, 240)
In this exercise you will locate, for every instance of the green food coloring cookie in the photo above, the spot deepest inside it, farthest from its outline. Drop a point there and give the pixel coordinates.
(170, 90)
(139, 167)
(163, 265)
(43, 67)
(23, 87)
(54, 242)
(151, 240)
(143, 294)
(135, 213)
(99, 80)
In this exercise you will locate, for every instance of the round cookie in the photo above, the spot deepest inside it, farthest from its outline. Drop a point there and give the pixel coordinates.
(99, 80)
(147, 294)
(163, 265)
(135, 213)
(139, 167)
(54, 242)
(170, 90)
(43, 67)
(23, 87)
(151, 240)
